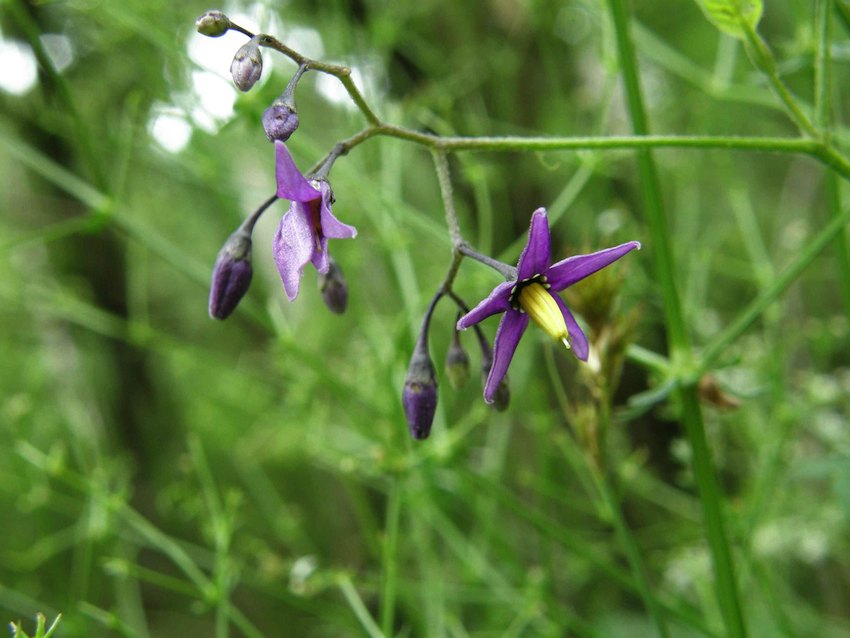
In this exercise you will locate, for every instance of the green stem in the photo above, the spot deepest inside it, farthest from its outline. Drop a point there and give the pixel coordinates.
(345, 585)
(630, 547)
(624, 533)
(762, 58)
(78, 126)
(823, 26)
(390, 558)
(841, 243)
(710, 496)
(441, 165)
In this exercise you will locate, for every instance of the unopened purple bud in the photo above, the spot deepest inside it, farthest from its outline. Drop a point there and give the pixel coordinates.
(457, 363)
(280, 120)
(212, 24)
(502, 397)
(231, 275)
(247, 65)
(419, 396)
(333, 287)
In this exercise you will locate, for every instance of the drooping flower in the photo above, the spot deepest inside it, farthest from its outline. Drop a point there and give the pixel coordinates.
(308, 224)
(534, 294)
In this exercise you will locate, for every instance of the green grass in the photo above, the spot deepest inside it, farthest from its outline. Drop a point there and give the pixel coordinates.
(165, 473)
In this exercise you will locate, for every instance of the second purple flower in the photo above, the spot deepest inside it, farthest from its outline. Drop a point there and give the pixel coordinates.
(304, 230)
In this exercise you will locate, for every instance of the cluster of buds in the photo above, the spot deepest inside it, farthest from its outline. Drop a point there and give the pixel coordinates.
(419, 396)
(304, 230)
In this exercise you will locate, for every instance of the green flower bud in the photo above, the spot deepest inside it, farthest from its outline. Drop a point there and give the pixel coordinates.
(212, 24)
(457, 363)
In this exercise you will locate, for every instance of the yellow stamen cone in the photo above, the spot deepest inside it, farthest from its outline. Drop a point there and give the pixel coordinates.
(542, 307)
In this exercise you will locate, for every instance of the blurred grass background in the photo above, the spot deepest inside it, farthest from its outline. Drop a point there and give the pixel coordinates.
(165, 473)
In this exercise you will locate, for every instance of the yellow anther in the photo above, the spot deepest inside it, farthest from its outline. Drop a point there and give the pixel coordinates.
(542, 307)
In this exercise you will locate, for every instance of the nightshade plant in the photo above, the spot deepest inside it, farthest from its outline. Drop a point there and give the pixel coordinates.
(304, 230)
(309, 222)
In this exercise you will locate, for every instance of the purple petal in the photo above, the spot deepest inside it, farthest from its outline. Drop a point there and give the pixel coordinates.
(567, 272)
(536, 256)
(320, 256)
(293, 247)
(511, 327)
(331, 226)
(291, 184)
(498, 301)
(578, 340)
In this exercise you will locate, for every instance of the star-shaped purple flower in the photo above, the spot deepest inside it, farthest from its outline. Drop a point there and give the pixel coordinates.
(308, 224)
(533, 294)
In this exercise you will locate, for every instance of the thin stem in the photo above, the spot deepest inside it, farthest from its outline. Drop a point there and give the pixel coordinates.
(588, 143)
(390, 558)
(79, 128)
(762, 57)
(288, 95)
(713, 352)
(345, 585)
(422, 341)
(342, 73)
(710, 496)
(823, 26)
(841, 243)
(508, 272)
(441, 164)
(631, 549)
(247, 226)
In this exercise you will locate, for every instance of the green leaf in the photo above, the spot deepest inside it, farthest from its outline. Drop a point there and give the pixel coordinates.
(732, 16)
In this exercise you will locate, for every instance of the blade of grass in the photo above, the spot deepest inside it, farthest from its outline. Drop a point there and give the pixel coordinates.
(389, 576)
(726, 588)
(345, 585)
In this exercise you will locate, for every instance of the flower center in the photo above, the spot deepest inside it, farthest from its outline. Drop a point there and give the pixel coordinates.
(532, 296)
(316, 220)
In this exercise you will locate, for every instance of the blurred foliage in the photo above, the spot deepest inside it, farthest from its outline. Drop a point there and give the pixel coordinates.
(166, 473)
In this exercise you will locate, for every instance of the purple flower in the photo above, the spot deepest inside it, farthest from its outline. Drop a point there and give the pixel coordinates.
(532, 294)
(305, 229)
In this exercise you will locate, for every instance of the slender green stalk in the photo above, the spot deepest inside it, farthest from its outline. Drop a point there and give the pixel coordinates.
(632, 551)
(78, 127)
(441, 164)
(762, 57)
(841, 244)
(725, 584)
(735, 329)
(345, 585)
(390, 558)
(823, 26)
(221, 529)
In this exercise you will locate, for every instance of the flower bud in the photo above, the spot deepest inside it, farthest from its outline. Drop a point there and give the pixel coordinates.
(247, 65)
(419, 396)
(333, 287)
(457, 363)
(212, 24)
(280, 120)
(231, 275)
(502, 398)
